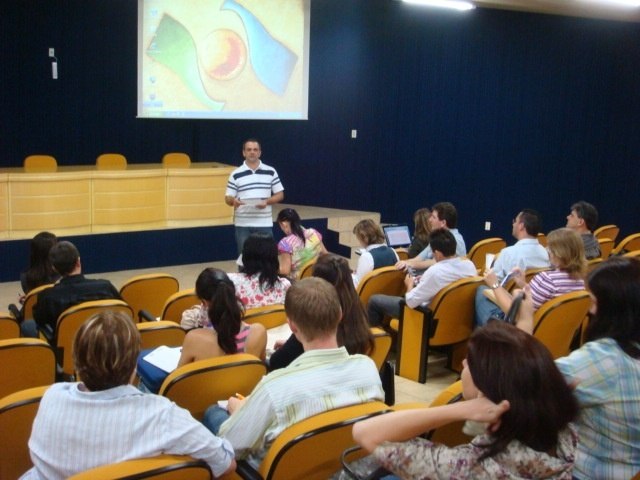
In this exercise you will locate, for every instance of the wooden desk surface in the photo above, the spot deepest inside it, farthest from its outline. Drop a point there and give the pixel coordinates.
(81, 199)
(131, 167)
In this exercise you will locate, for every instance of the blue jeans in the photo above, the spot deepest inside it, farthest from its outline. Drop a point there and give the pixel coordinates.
(380, 306)
(214, 416)
(242, 233)
(29, 328)
(485, 308)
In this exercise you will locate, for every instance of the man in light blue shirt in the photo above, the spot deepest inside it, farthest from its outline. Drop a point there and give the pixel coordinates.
(525, 253)
(443, 215)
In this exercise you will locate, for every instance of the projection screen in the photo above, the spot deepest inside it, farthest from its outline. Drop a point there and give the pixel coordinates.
(226, 59)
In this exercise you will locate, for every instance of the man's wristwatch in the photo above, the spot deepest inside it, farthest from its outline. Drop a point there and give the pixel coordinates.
(495, 285)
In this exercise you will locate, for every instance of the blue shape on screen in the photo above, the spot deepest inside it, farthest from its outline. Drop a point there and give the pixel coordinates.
(272, 61)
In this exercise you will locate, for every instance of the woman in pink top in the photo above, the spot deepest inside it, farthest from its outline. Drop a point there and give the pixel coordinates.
(299, 247)
(229, 334)
(566, 254)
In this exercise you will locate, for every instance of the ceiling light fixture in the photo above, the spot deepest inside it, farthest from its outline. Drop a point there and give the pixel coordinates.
(453, 4)
(619, 3)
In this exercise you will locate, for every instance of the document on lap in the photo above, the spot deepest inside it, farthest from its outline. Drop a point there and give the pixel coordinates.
(165, 358)
(281, 332)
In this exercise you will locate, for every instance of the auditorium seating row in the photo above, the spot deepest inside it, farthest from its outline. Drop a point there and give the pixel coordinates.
(310, 449)
(157, 296)
(446, 323)
(215, 378)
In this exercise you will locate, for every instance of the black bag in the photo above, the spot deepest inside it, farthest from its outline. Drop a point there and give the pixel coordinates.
(512, 315)
(365, 468)
(388, 379)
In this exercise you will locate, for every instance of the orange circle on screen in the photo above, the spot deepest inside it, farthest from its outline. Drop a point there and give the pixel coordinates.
(224, 54)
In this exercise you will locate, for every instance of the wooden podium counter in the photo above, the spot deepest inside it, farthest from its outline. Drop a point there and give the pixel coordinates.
(79, 200)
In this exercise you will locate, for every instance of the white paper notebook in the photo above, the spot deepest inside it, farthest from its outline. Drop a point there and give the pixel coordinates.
(281, 332)
(165, 358)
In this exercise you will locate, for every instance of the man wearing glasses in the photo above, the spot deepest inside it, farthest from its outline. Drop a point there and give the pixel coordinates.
(525, 253)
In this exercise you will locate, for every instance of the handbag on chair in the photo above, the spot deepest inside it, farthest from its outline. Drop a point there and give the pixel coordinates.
(363, 468)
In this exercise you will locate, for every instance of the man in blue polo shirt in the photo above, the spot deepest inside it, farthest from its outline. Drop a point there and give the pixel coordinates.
(251, 190)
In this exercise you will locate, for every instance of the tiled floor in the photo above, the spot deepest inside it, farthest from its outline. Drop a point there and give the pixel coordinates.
(406, 390)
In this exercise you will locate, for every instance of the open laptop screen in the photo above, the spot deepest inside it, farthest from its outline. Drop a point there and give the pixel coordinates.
(397, 235)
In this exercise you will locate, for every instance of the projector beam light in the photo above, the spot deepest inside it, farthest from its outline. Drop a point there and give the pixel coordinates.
(452, 4)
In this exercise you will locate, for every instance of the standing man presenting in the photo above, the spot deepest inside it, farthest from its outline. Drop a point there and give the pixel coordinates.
(251, 190)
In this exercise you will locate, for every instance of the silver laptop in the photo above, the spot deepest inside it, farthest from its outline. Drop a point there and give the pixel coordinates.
(397, 235)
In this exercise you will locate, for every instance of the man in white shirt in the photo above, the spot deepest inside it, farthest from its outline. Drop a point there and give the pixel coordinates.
(448, 268)
(525, 253)
(324, 377)
(104, 419)
(251, 190)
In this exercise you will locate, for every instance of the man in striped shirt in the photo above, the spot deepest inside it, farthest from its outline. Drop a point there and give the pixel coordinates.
(324, 377)
(251, 190)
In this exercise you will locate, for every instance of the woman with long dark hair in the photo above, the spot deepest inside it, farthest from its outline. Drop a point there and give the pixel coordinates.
(227, 333)
(222, 332)
(40, 271)
(353, 331)
(511, 384)
(300, 245)
(605, 372)
(258, 283)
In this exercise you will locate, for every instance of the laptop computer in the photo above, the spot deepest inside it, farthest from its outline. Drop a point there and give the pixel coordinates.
(397, 235)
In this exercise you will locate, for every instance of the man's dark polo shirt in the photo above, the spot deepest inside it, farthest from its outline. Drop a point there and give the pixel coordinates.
(70, 291)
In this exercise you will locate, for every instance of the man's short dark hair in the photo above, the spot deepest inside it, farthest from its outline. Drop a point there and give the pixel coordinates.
(447, 212)
(254, 140)
(586, 212)
(313, 305)
(531, 220)
(63, 257)
(443, 241)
